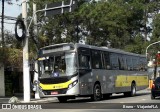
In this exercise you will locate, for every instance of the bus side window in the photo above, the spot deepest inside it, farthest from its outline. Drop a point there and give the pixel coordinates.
(107, 60)
(135, 63)
(96, 59)
(145, 64)
(114, 61)
(129, 63)
(121, 62)
(84, 61)
(142, 64)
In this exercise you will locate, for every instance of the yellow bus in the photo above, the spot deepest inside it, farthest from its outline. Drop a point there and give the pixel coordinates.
(67, 71)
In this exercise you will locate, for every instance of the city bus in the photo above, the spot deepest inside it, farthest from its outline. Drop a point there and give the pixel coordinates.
(68, 70)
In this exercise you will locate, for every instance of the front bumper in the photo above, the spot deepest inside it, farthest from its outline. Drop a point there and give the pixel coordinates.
(74, 91)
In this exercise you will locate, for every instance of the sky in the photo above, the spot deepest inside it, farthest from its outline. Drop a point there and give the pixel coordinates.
(10, 10)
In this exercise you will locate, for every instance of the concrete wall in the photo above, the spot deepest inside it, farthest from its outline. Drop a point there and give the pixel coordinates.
(2, 83)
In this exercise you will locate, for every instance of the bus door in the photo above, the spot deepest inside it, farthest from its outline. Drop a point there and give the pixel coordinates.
(85, 72)
(98, 71)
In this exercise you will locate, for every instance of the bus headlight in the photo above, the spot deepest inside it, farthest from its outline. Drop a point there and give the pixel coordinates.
(72, 84)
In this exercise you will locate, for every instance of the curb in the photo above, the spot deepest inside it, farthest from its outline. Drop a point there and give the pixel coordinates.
(43, 100)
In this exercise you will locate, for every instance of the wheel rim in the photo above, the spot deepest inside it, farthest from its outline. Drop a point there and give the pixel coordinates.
(97, 92)
(133, 90)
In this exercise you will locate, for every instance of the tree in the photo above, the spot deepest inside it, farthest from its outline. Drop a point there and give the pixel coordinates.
(10, 54)
(120, 22)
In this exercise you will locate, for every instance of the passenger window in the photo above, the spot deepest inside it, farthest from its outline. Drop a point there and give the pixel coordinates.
(121, 62)
(96, 59)
(84, 61)
(141, 65)
(129, 63)
(144, 64)
(107, 60)
(135, 63)
(114, 61)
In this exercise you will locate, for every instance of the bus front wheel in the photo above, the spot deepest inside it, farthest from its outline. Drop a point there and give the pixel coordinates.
(97, 95)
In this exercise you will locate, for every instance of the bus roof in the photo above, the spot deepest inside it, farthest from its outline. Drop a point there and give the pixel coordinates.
(103, 48)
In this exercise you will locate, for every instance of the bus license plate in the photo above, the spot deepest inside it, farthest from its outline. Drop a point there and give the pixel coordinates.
(54, 92)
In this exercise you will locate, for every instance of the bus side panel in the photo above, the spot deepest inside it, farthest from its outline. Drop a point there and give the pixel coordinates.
(86, 83)
(124, 80)
(112, 81)
(106, 78)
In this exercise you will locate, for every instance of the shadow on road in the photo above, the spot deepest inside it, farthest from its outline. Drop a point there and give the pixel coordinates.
(114, 96)
(87, 103)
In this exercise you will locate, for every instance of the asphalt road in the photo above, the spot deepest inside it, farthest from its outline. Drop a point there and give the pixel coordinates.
(117, 103)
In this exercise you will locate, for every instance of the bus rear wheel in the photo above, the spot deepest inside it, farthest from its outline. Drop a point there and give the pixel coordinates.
(97, 95)
(133, 89)
(132, 92)
(62, 99)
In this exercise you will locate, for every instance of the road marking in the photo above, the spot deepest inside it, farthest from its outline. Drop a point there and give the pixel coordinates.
(134, 101)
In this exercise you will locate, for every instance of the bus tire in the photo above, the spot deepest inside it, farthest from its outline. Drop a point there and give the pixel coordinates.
(97, 95)
(133, 90)
(62, 99)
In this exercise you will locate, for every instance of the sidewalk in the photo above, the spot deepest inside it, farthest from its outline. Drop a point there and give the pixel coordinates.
(32, 100)
(42, 100)
(4, 99)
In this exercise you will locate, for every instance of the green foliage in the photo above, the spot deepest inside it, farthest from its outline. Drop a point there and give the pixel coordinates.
(156, 27)
(117, 21)
(137, 45)
(11, 57)
(121, 22)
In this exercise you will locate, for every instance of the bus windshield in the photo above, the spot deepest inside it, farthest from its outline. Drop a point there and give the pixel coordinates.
(57, 66)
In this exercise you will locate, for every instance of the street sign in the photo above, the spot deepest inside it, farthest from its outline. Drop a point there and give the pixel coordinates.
(60, 7)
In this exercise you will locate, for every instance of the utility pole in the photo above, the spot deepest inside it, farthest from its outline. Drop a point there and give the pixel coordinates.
(2, 24)
(36, 63)
(26, 75)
